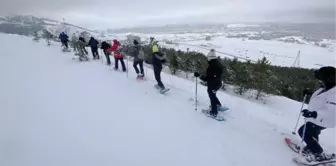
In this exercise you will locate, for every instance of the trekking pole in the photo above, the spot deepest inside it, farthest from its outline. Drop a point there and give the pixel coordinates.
(196, 94)
(303, 135)
(146, 68)
(297, 122)
(127, 66)
(101, 56)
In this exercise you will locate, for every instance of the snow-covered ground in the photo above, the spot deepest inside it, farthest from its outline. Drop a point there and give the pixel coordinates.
(57, 111)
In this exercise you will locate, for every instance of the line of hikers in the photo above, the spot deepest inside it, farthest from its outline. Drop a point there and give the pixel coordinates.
(136, 50)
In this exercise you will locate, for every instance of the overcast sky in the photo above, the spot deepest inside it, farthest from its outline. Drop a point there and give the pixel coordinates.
(101, 14)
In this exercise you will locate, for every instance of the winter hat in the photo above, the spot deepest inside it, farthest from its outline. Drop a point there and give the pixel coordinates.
(155, 42)
(211, 55)
(326, 73)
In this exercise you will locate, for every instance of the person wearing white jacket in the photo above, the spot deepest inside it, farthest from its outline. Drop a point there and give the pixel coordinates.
(321, 112)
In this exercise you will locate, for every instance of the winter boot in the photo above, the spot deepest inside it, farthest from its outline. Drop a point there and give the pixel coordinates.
(209, 113)
(212, 114)
(305, 150)
(219, 108)
(140, 76)
(324, 157)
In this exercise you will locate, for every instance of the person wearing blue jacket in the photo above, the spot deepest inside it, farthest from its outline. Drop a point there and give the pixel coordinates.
(64, 39)
(93, 43)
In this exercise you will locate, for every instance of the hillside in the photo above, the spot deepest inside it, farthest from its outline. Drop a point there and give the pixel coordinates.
(57, 111)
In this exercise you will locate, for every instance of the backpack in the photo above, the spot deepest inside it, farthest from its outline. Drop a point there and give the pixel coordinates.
(141, 54)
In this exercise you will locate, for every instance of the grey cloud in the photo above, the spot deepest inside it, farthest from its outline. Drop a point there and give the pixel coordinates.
(118, 13)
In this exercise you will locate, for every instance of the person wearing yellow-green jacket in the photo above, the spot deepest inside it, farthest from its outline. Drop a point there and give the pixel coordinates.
(158, 58)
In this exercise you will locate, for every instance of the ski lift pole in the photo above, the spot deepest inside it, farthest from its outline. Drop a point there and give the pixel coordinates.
(196, 94)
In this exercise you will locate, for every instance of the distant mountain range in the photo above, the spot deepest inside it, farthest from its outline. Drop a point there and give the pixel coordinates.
(27, 24)
(316, 31)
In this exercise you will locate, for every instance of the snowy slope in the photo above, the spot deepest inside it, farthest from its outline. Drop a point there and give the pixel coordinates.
(278, 53)
(56, 111)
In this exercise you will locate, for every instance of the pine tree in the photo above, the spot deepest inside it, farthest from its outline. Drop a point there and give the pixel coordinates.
(230, 71)
(36, 37)
(186, 62)
(173, 63)
(243, 77)
(262, 77)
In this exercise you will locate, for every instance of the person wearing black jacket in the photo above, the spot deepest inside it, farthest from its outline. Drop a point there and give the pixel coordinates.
(158, 58)
(93, 43)
(213, 78)
(104, 46)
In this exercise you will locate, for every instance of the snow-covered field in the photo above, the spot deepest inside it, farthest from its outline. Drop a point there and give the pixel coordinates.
(277, 52)
(56, 111)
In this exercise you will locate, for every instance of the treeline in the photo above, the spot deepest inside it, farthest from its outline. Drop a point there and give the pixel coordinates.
(260, 76)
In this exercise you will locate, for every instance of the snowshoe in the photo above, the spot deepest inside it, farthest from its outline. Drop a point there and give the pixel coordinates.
(220, 108)
(296, 148)
(216, 117)
(66, 49)
(161, 90)
(140, 77)
(307, 158)
(317, 160)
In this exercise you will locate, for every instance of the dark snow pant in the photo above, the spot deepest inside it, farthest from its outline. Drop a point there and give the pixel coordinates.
(311, 137)
(85, 51)
(94, 51)
(157, 74)
(213, 98)
(122, 63)
(65, 43)
(135, 65)
(107, 55)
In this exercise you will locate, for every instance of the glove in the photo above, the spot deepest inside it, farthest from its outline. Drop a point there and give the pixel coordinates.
(309, 114)
(307, 92)
(196, 74)
(163, 61)
(203, 78)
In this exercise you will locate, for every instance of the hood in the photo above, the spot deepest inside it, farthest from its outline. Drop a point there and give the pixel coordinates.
(326, 75)
(211, 55)
(116, 42)
(135, 42)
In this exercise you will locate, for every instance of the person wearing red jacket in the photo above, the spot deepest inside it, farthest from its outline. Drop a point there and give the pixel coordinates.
(117, 55)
